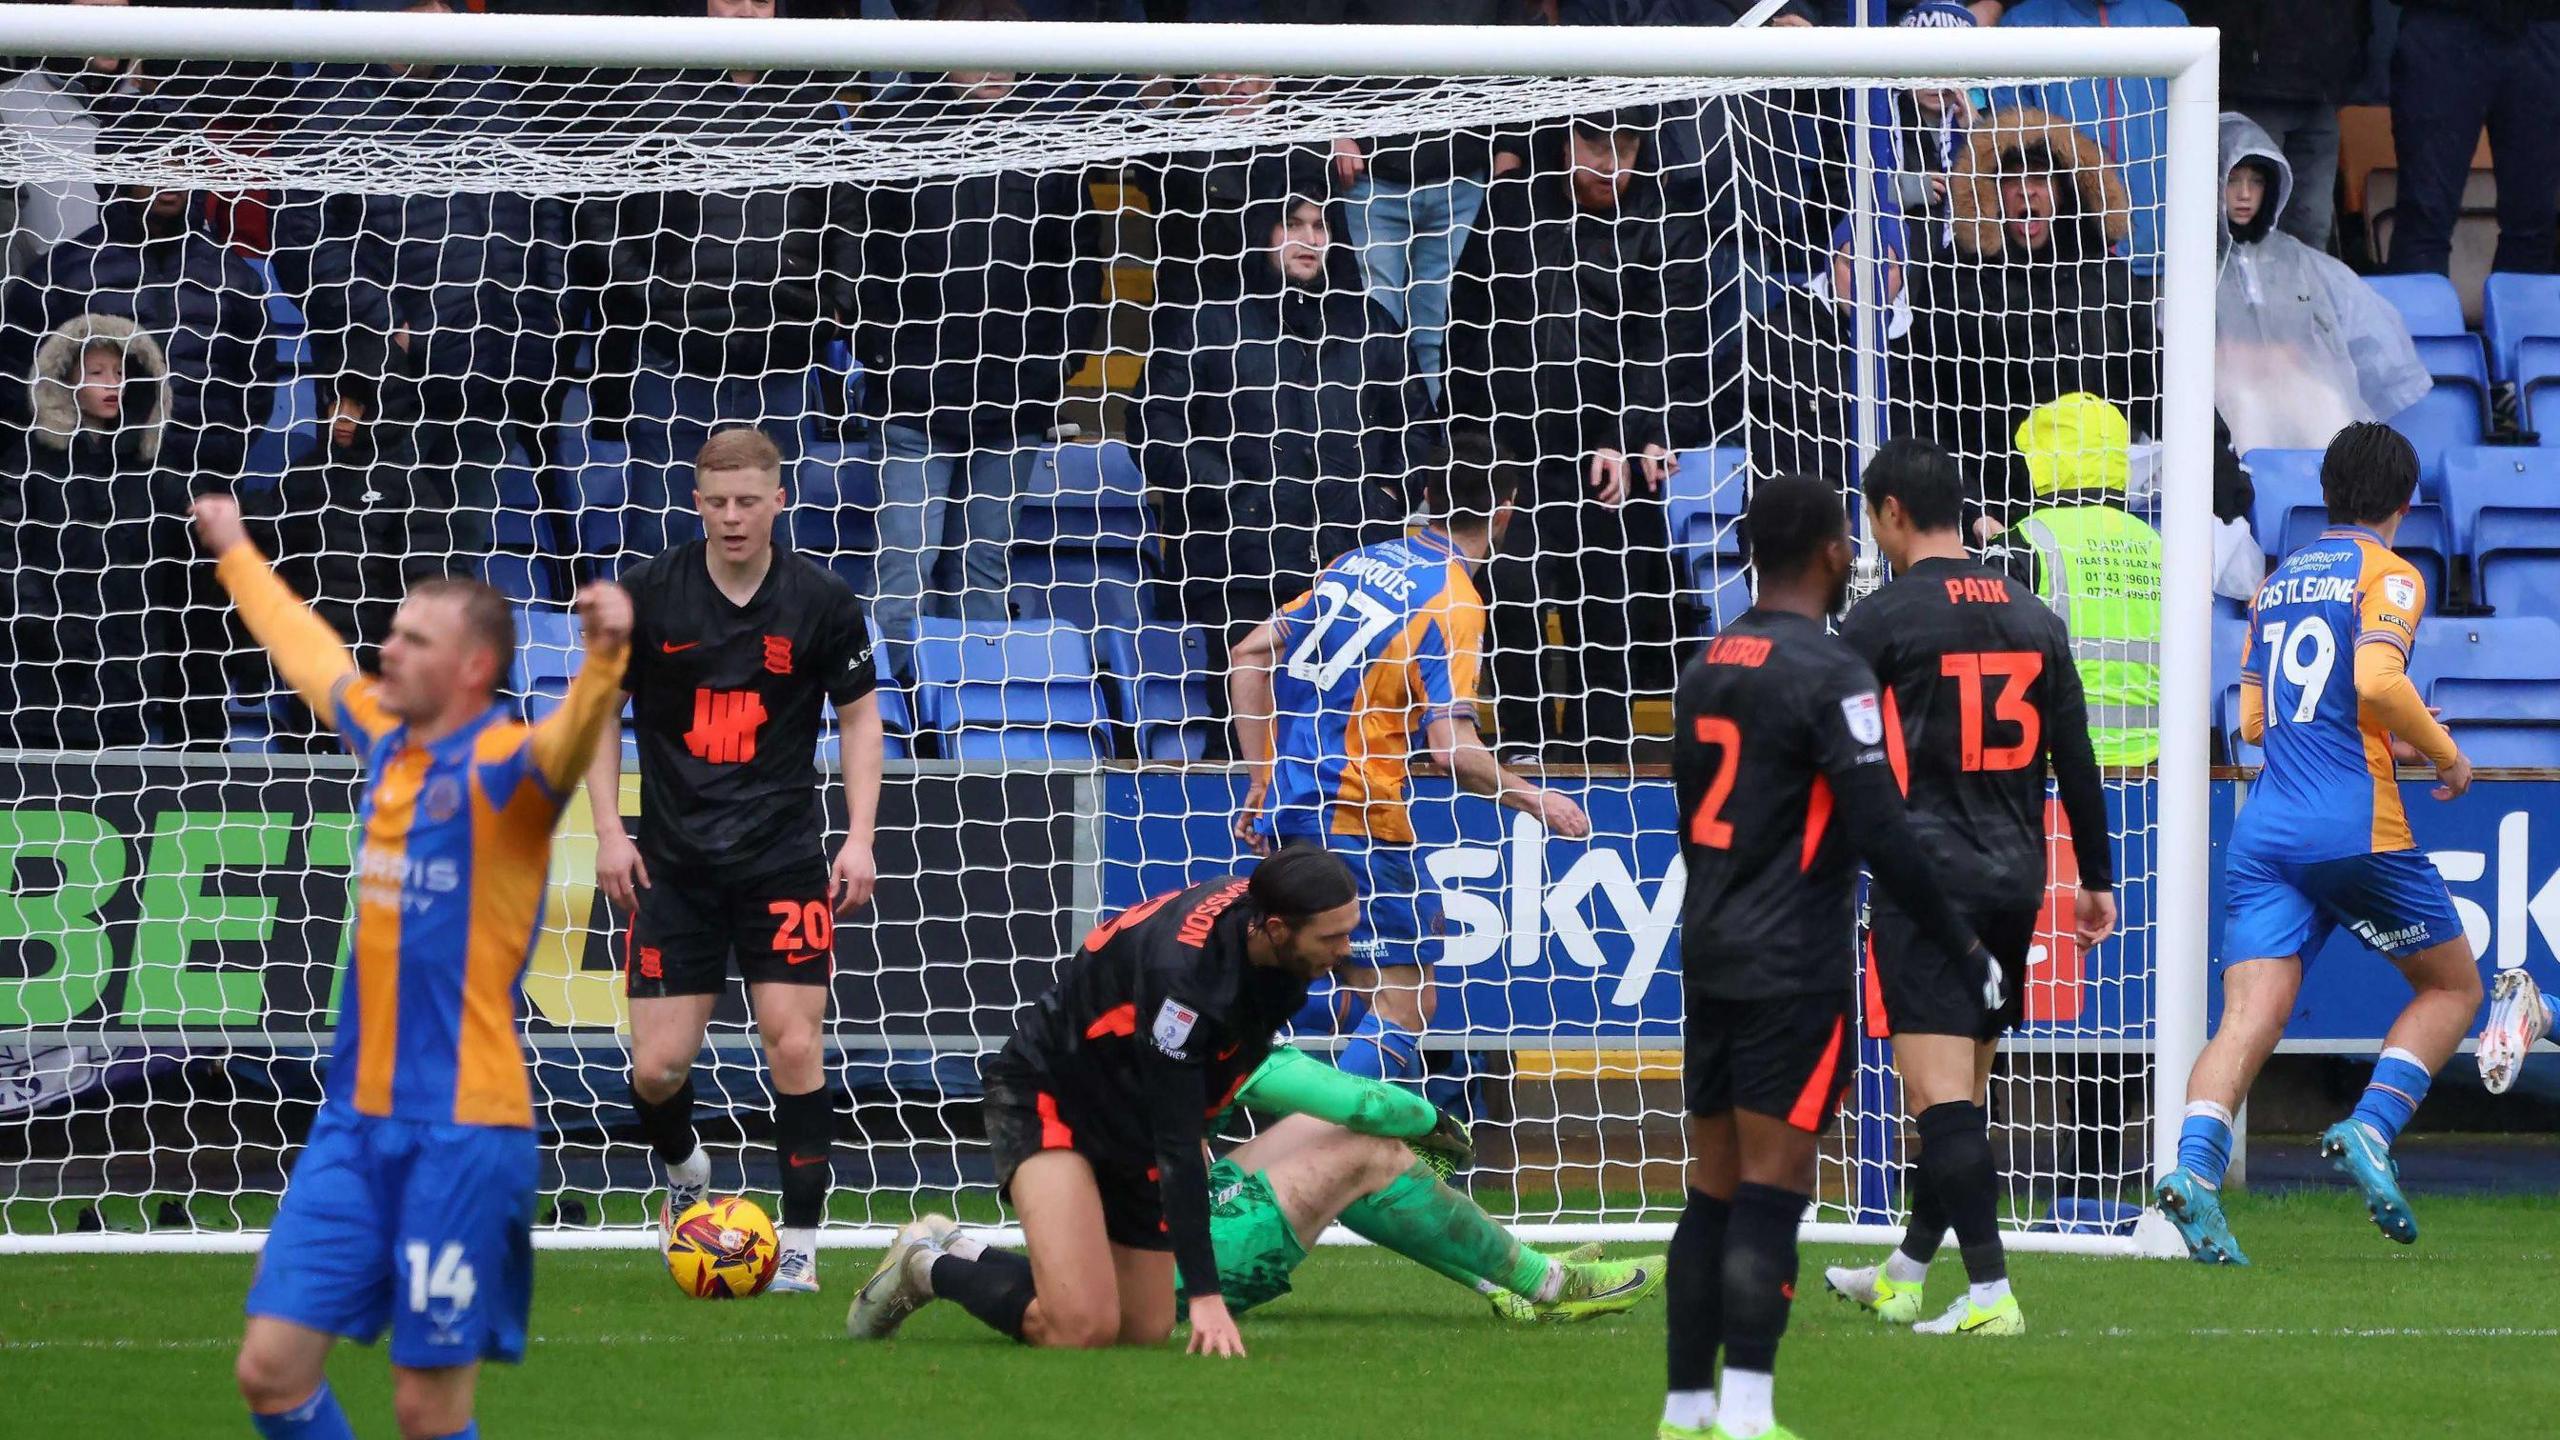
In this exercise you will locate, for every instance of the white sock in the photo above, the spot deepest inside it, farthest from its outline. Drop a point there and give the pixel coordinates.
(694, 1169)
(1746, 1402)
(966, 1246)
(800, 1237)
(1986, 1296)
(1693, 1408)
(920, 1268)
(1551, 1287)
(1487, 1287)
(1901, 1269)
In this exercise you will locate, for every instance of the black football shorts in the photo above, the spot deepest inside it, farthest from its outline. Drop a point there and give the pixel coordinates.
(1788, 1057)
(1916, 988)
(780, 928)
(1022, 1120)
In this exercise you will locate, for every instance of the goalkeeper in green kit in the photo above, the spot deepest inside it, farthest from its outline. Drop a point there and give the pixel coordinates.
(1344, 1148)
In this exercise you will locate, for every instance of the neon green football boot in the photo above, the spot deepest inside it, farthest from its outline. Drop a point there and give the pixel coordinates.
(1592, 1289)
(2001, 1318)
(1895, 1302)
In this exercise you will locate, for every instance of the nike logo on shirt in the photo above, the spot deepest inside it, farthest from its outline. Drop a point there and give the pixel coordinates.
(672, 648)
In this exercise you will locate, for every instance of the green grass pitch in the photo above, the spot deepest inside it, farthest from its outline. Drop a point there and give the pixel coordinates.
(2335, 1333)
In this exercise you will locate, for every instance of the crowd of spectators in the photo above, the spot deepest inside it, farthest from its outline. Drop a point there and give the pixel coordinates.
(1595, 296)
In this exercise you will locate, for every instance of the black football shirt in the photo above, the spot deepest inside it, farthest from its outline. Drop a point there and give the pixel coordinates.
(1982, 701)
(1770, 717)
(1154, 1025)
(725, 699)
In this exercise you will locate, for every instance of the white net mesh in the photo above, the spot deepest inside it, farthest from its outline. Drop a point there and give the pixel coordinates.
(1075, 379)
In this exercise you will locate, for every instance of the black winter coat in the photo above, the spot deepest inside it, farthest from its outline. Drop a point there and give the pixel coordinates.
(729, 282)
(477, 280)
(205, 307)
(2301, 50)
(979, 297)
(1280, 431)
(1572, 331)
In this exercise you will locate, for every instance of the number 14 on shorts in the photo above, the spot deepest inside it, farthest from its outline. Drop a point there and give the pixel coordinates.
(438, 1276)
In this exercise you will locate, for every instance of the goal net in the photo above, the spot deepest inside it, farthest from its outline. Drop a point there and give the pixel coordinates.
(1075, 376)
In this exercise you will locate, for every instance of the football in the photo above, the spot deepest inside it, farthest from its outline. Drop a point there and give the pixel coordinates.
(723, 1249)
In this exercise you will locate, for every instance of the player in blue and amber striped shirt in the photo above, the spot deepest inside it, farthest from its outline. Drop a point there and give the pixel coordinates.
(1334, 698)
(2323, 840)
(411, 1207)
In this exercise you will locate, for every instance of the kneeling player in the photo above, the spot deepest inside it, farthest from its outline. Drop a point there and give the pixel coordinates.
(1344, 1148)
(1947, 630)
(1098, 1107)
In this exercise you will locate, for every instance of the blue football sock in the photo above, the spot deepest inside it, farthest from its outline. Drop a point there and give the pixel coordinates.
(2204, 1142)
(2399, 1083)
(1381, 1050)
(317, 1418)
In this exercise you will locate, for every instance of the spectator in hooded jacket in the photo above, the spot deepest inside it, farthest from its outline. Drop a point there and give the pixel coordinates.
(2288, 64)
(2033, 306)
(1280, 426)
(979, 296)
(146, 261)
(2127, 117)
(2457, 66)
(1577, 335)
(94, 547)
(439, 313)
(2302, 348)
(717, 301)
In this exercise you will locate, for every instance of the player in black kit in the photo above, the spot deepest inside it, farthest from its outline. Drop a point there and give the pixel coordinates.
(737, 644)
(1778, 755)
(1098, 1107)
(1982, 701)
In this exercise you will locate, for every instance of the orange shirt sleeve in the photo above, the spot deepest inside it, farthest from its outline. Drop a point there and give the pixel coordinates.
(2393, 596)
(307, 653)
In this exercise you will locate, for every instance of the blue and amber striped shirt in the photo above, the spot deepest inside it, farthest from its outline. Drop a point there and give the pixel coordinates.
(449, 878)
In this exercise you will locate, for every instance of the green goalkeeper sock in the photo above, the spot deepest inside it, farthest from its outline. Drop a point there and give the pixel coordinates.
(1422, 1219)
(1292, 1083)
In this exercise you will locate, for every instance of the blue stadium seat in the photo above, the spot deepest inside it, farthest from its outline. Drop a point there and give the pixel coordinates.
(522, 576)
(2443, 418)
(547, 650)
(2537, 372)
(1094, 590)
(835, 502)
(2230, 644)
(1004, 690)
(2290, 514)
(1159, 676)
(2516, 308)
(1084, 495)
(2505, 504)
(2457, 362)
(2485, 647)
(2494, 745)
(1706, 495)
(2429, 303)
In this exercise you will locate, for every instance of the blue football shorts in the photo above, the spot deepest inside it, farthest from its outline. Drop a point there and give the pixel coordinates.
(420, 1228)
(2394, 902)
(1400, 918)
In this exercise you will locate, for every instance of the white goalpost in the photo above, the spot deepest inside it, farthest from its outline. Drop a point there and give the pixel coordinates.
(463, 292)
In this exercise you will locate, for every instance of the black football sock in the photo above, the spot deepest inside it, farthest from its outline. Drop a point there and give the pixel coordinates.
(1011, 1260)
(1927, 1228)
(803, 1127)
(1955, 1152)
(1693, 1291)
(668, 1124)
(1759, 1275)
(996, 1292)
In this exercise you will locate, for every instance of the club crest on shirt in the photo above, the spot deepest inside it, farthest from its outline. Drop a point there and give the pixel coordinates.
(1173, 1028)
(1866, 720)
(2401, 590)
(441, 800)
